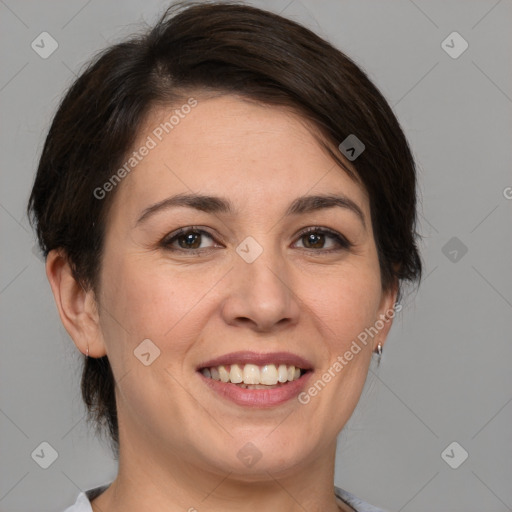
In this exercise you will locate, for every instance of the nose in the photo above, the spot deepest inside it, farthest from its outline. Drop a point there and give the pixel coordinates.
(260, 294)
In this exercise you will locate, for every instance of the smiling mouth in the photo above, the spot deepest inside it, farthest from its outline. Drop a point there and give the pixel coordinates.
(251, 376)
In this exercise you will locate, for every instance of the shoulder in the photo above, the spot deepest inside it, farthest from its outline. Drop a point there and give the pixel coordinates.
(357, 504)
(82, 504)
(83, 501)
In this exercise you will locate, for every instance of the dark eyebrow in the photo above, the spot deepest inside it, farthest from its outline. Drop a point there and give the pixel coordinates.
(212, 204)
(208, 204)
(307, 204)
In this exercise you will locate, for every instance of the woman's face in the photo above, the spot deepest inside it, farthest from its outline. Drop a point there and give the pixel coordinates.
(245, 271)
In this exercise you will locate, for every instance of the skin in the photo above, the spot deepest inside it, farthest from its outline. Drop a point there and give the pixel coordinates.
(179, 440)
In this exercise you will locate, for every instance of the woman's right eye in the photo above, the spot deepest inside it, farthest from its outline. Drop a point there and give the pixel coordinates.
(188, 240)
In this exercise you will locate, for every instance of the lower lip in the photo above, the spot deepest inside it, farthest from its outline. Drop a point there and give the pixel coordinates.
(257, 397)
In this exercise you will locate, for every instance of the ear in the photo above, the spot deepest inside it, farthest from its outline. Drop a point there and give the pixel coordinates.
(76, 306)
(387, 311)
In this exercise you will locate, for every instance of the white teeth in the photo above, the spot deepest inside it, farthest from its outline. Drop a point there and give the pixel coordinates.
(282, 373)
(252, 375)
(268, 375)
(235, 374)
(224, 374)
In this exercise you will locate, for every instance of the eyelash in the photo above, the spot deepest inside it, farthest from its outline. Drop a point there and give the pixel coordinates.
(343, 242)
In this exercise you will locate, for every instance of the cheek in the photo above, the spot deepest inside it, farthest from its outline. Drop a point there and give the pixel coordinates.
(148, 301)
(347, 306)
(345, 303)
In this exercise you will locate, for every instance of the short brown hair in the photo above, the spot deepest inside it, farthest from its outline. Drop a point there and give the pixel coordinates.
(228, 48)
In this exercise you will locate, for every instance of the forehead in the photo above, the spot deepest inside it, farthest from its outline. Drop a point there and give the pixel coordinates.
(227, 146)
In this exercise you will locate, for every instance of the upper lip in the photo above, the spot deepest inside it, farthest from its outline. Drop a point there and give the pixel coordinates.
(259, 359)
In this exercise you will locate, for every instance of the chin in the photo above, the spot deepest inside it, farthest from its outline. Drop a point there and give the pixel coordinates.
(259, 452)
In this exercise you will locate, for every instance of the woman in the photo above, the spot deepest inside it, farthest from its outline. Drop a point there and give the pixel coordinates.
(227, 206)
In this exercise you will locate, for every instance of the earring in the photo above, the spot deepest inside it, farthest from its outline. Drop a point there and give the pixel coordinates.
(379, 352)
(87, 354)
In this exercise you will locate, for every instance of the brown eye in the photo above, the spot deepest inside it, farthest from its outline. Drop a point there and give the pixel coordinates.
(188, 240)
(313, 240)
(191, 240)
(323, 239)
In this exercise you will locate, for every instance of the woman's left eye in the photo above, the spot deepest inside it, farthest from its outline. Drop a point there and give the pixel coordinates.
(317, 238)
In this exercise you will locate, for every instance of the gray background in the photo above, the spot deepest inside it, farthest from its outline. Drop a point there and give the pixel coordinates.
(445, 374)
